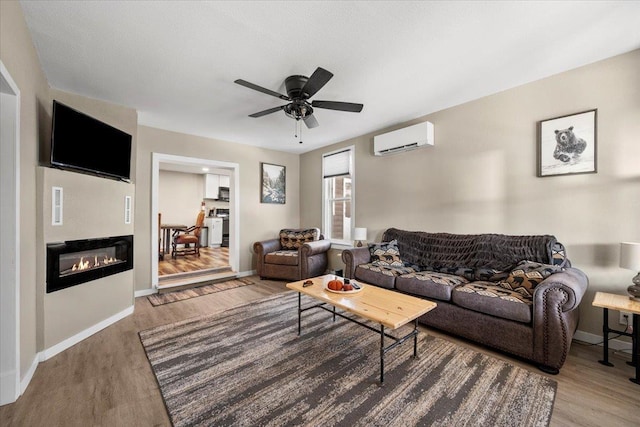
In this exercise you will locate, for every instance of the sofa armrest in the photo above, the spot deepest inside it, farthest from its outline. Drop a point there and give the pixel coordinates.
(555, 315)
(266, 246)
(315, 247)
(353, 258)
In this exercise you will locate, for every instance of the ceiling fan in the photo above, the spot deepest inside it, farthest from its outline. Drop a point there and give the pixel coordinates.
(299, 90)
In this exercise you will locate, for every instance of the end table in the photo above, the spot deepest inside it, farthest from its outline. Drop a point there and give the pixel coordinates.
(621, 303)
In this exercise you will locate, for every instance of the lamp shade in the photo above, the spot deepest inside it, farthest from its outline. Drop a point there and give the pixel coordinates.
(360, 233)
(630, 256)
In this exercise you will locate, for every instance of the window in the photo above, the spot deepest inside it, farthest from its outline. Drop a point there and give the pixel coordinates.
(337, 195)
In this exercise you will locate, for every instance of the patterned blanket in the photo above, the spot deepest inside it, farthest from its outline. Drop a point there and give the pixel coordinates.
(444, 250)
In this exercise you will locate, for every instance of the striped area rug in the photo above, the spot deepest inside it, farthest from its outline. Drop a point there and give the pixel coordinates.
(169, 297)
(248, 367)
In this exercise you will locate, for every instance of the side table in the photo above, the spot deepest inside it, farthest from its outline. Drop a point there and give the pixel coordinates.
(621, 303)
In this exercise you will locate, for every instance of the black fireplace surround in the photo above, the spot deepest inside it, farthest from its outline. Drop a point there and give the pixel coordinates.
(74, 262)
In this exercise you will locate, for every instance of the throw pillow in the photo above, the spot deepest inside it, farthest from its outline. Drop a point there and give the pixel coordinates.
(559, 255)
(527, 275)
(294, 239)
(385, 254)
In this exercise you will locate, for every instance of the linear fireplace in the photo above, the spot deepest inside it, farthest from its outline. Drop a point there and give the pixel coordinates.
(78, 261)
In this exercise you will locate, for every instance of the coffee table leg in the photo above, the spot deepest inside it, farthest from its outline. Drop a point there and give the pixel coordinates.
(381, 354)
(299, 310)
(334, 313)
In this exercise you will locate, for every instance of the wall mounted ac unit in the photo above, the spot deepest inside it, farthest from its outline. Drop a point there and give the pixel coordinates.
(409, 138)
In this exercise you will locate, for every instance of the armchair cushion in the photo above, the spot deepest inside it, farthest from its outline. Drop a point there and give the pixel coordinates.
(294, 239)
(182, 239)
(282, 258)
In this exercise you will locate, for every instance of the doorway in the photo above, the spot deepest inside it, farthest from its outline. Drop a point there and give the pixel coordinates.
(9, 238)
(170, 213)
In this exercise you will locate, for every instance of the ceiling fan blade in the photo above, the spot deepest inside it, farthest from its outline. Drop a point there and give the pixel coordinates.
(265, 112)
(262, 89)
(340, 106)
(318, 79)
(310, 121)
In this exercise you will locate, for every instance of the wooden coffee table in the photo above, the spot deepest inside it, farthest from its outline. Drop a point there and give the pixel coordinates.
(388, 308)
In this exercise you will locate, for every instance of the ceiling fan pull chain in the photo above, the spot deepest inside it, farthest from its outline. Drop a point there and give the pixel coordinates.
(300, 131)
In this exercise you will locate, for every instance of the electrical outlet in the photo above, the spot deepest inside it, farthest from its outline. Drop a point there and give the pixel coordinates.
(625, 318)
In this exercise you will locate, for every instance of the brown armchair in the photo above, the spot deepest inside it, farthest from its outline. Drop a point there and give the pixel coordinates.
(189, 239)
(294, 255)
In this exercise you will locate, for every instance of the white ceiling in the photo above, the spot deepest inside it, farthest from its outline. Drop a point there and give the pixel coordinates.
(176, 61)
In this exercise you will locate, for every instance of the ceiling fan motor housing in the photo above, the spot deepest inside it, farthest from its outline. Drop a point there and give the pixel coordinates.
(294, 85)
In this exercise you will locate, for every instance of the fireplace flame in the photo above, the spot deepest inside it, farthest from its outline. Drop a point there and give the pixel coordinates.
(84, 265)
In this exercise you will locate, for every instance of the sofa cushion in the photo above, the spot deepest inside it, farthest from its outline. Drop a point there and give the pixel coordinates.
(282, 258)
(429, 284)
(385, 254)
(489, 274)
(294, 239)
(527, 275)
(491, 298)
(466, 272)
(382, 276)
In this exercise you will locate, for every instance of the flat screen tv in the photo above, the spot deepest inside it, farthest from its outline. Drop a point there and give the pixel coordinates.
(84, 144)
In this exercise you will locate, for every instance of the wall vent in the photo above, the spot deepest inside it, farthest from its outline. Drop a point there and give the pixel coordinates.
(56, 205)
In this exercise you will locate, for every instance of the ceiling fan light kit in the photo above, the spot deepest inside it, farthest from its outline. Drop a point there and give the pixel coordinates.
(299, 90)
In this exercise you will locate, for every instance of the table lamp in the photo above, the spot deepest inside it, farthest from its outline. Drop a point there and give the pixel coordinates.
(630, 259)
(359, 234)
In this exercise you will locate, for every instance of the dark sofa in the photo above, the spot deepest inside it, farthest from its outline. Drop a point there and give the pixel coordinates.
(518, 294)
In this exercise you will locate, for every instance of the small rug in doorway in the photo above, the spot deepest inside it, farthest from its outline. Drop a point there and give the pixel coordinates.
(247, 366)
(169, 297)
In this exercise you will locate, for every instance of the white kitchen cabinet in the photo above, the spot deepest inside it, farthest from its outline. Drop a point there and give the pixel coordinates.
(211, 185)
(215, 231)
(224, 180)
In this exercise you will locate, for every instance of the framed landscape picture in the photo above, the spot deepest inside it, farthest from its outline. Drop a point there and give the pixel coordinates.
(274, 184)
(567, 144)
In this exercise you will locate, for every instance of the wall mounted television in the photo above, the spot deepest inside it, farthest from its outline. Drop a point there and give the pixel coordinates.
(84, 144)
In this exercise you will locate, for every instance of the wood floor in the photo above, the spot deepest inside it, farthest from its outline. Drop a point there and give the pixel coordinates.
(106, 379)
(209, 258)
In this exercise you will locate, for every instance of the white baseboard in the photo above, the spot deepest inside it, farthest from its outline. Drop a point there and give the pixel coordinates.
(595, 339)
(145, 292)
(52, 351)
(32, 370)
(8, 386)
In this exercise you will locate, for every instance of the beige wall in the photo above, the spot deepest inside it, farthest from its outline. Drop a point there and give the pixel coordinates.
(179, 197)
(257, 221)
(93, 208)
(19, 57)
(481, 175)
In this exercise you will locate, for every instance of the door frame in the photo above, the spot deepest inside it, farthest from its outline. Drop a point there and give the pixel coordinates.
(10, 387)
(234, 196)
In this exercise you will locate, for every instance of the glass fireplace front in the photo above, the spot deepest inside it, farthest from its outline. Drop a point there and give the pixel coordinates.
(77, 261)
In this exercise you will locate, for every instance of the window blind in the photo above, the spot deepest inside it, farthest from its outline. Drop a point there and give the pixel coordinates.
(336, 164)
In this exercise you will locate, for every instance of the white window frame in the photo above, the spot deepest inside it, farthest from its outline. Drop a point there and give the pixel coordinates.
(326, 211)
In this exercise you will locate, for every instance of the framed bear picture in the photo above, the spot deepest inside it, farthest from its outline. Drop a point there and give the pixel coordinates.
(567, 144)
